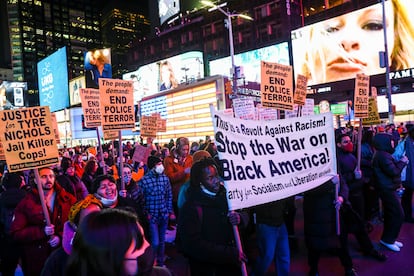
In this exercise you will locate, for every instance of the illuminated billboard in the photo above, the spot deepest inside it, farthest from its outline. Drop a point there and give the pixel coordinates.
(250, 61)
(341, 47)
(74, 89)
(97, 65)
(186, 110)
(166, 74)
(13, 94)
(167, 9)
(52, 74)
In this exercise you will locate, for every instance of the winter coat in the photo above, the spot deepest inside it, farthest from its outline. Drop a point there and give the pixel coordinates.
(205, 232)
(176, 174)
(29, 223)
(320, 218)
(386, 169)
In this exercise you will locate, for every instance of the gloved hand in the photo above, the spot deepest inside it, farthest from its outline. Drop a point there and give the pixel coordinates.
(123, 193)
(338, 202)
(234, 218)
(49, 230)
(404, 159)
(54, 241)
(335, 179)
(357, 174)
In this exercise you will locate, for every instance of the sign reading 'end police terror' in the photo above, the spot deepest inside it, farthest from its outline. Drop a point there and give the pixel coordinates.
(117, 104)
(28, 139)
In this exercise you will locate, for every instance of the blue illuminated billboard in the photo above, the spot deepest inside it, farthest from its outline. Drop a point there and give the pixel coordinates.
(52, 74)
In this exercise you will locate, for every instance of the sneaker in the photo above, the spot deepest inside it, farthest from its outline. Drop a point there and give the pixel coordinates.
(350, 272)
(377, 255)
(390, 246)
(399, 244)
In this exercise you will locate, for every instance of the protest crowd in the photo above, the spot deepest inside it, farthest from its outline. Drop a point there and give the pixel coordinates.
(110, 216)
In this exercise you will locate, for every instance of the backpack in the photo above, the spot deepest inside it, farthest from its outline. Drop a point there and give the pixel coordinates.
(178, 242)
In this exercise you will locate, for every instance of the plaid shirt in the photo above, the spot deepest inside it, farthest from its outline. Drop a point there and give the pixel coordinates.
(157, 194)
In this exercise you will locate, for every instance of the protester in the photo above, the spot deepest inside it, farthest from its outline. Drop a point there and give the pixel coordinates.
(177, 167)
(320, 225)
(406, 148)
(38, 240)
(182, 194)
(156, 188)
(11, 196)
(112, 242)
(134, 192)
(388, 178)
(89, 174)
(205, 227)
(70, 181)
(272, 238)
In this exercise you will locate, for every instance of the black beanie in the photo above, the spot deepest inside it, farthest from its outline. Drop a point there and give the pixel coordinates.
(152, 161)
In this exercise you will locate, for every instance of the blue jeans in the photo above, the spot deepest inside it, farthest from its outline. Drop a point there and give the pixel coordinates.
(273, 244)
(157, 233)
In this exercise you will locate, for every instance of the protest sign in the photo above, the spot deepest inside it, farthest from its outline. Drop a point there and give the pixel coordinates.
(266, 114)
(276, 85)
(264, 161)
(373, 115)
(55, 127)
(148, 126)
(28, 138)
(117, 104)
(300, 92)
(111, 134)
(301, 110)
(244, 108)
(91, 107)
(141, 153)
(2, 156)
(361, 96)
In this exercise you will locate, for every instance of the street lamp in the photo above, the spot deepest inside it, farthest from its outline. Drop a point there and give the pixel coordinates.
(387, 67)
(229, 16)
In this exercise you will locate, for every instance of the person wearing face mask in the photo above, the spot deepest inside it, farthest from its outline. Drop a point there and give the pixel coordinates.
(352, 212)
(112, 242)
(157, 192)
(387, 171)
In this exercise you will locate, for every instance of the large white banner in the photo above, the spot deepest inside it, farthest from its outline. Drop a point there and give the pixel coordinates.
(264, 161)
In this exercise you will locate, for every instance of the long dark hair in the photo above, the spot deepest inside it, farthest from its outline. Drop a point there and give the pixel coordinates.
(101, 242)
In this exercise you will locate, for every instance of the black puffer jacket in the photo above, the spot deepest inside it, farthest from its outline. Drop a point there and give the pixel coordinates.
(387, 170)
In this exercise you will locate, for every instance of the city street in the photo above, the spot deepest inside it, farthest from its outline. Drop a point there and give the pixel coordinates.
(398, 263)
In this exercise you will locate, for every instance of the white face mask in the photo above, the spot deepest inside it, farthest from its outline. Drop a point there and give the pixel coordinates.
(159, 169)
(105, 201)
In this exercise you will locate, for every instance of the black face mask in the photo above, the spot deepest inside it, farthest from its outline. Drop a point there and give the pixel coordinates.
(146, 261)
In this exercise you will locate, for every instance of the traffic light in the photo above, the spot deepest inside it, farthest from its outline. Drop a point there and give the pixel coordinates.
(227, 88)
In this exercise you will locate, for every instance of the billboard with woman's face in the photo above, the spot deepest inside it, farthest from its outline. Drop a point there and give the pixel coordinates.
(166, 74)
(250, 61)
(341, 47)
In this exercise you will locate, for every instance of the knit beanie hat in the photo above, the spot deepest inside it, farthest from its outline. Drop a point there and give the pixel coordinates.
(152, 161)
(199, 155)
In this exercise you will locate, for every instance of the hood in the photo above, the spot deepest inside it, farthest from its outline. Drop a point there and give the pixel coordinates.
(382, 141)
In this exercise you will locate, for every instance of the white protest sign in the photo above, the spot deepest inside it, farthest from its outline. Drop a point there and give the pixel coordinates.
(117, 104)
(271, 160)
(244, 108)
(28, 139)
(91, 107)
